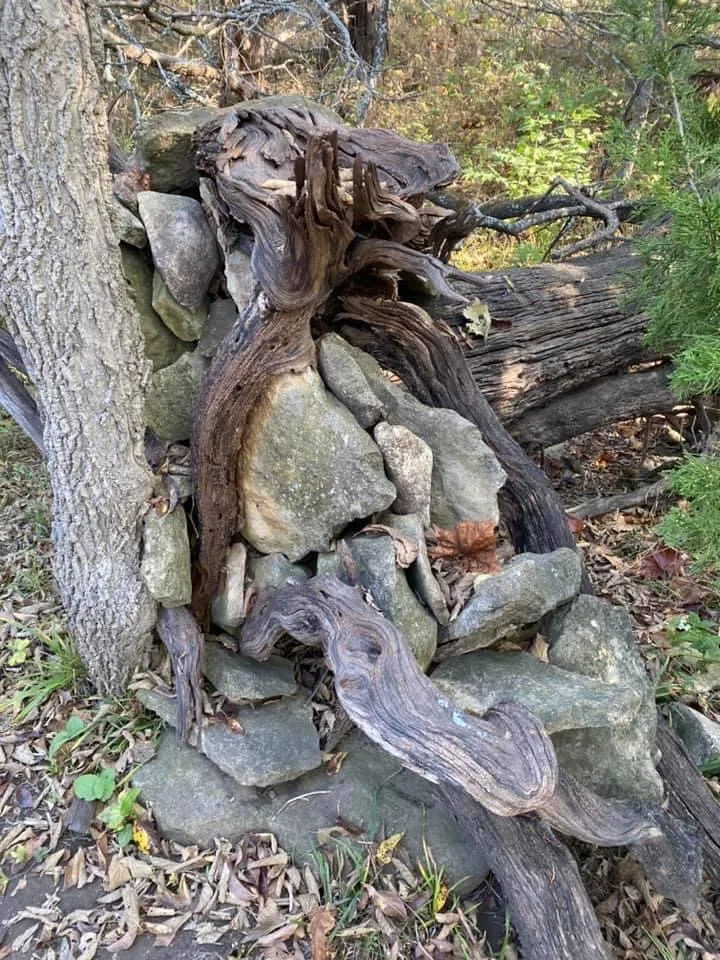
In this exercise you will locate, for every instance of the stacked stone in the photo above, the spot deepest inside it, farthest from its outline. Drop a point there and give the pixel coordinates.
(342, 454)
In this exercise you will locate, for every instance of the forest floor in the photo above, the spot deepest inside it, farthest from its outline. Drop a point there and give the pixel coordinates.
(70, 890)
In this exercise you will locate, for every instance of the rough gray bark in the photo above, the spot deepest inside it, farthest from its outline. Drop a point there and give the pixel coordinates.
(67, 309)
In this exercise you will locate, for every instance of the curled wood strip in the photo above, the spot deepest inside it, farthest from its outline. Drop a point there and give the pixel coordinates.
(504, 761)
(185, 644)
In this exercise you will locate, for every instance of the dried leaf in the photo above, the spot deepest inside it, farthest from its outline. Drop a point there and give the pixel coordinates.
(386, 847)
(406, 549)
(322, 922)
(471, 544)
(664, 562)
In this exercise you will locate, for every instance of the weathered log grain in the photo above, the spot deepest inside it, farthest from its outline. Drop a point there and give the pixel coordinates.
(619, 396)
(185, 644)
(503, 760)
(689, 797)
(541, 883)
(570, 323)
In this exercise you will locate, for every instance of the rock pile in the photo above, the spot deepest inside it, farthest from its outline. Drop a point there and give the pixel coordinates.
(340, 455)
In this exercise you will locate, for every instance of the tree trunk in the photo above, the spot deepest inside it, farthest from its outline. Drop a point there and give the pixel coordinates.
(566, 326)
(67, 308)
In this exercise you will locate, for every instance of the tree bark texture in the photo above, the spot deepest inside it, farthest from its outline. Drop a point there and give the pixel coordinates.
(66, 306)
(565, 325)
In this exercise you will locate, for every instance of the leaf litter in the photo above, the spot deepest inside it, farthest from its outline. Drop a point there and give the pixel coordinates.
(364, 898)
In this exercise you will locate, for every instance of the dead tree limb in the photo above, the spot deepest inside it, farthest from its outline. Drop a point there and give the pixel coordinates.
(20, 405)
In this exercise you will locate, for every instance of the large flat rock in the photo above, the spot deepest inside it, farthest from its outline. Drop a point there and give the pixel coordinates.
(183, 245)
(560, 699)
(274, 742)
(595, 638)
(239, 678)
(307, 469)
(531, 585)
(465, 476)
(193, 802)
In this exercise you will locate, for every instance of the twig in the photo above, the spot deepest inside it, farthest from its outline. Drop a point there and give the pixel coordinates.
(621, 501)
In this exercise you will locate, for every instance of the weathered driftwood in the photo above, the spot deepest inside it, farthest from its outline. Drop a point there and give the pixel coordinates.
(302, 257)
(689, 797)
(185, 644)
(503, 760)
(541, 883)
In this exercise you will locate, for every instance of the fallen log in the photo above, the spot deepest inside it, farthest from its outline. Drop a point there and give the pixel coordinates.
(569, 323)
(620, 396)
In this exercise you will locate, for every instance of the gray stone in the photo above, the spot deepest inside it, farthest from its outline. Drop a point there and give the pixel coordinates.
(526, 589)
(171, 399)
(239, 678)
(128, 228)
(228, 605)
(595, 639)
(307, 469)
(275, 571)
(185, 323)
(239, 278)
(409, 464)
(466, 475)
(162, 347)
(700, 735)
(344, 377)
(165, 140)
(375, 561)
(194, 803)
(220, 321)
(164, 143)
(165, 564)
(560, 699)
(183, 246)
(276, 742)
(420, 574)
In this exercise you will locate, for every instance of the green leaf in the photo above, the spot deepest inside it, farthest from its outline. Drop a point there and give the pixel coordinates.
(124, 836)
(126, 801)
(72, 729)
(112, 817)
(95, 786)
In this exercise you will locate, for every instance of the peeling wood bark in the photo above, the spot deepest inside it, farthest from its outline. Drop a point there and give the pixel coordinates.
(69, 313)
(185, 644)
